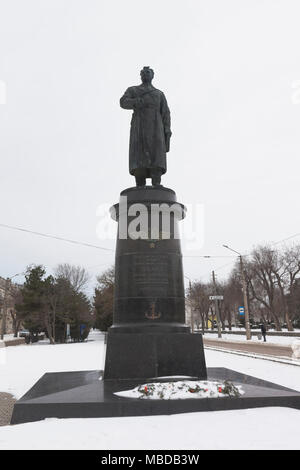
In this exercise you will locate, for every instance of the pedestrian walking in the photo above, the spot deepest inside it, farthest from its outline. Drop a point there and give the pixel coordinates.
(263, 331)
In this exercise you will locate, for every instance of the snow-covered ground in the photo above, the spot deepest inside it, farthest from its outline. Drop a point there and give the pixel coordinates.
(22, 366)
(268, 428)
(285, 340)
(257, 330)
(182, 390)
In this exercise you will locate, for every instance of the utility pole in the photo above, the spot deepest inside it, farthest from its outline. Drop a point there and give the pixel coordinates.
(247, 322)
(244, 287)
(217, 306)
(192, 310)
(191, 307)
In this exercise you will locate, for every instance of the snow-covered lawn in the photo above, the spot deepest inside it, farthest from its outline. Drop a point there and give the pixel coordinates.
(268, 428)
(22, 366)
(284, 340)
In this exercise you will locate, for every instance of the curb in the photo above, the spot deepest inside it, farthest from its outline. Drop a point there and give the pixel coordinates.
(279, 359)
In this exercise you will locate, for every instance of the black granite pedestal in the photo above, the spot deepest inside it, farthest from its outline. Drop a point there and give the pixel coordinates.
(149, 337)
(149, 354)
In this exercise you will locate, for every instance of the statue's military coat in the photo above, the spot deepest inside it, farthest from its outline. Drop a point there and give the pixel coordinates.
(150, 124)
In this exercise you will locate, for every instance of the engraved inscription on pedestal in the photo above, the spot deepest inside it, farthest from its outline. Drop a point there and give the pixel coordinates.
(151, 275)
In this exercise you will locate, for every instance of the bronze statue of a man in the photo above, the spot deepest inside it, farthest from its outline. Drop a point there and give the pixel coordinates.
(150, 130)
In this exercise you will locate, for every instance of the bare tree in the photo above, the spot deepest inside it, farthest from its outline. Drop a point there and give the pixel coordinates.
(294, 302)
(198, 297)
(273, 274)
(288, 267)
(233, 297)
(15, 297)
(272, 289)
(77, 276)
(103, 299)
(264, 271)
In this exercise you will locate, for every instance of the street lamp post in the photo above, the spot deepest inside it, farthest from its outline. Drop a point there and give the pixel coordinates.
(247, 322)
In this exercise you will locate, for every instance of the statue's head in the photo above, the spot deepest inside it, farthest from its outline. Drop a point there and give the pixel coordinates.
(147, 74)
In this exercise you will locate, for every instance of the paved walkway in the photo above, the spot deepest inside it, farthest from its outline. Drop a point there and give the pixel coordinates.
(7, 402)
(276, 350)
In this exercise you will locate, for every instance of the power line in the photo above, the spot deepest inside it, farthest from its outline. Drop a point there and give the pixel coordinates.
(75, 242)
(99, 265)
(274, 243)
(21, 229)
(285, 239)
(207, 256)
(223, 266)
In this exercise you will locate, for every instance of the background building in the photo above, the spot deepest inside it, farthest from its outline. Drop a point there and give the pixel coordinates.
(6, 290)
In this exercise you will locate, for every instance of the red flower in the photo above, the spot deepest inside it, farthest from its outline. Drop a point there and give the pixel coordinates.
(146, 389)
(220, 390)
(206, 390)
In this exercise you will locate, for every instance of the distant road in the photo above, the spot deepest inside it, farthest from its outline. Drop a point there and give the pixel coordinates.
(251, 347)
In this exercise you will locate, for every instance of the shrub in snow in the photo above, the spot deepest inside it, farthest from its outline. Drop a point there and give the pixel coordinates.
(183, 390)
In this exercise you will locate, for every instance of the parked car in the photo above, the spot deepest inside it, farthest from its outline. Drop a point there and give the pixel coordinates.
(31, 337)
(24, 333)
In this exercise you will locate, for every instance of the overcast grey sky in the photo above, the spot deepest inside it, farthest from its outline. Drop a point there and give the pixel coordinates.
(231, 73)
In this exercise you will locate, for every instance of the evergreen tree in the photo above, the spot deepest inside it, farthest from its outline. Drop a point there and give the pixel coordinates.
(103, 300)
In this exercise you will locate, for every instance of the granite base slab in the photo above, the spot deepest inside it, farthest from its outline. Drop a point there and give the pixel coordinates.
(86, 395)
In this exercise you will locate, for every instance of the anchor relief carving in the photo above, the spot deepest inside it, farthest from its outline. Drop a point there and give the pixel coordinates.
(152, 315)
